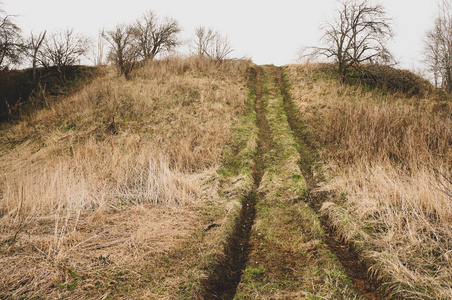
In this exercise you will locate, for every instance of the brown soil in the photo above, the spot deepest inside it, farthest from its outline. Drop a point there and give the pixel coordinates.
(223, 281)
(355, 270)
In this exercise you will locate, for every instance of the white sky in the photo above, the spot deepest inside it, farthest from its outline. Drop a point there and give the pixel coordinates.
(265, 31)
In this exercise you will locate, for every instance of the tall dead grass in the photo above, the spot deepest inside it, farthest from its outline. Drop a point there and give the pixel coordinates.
(117, 143)
(390, 157)
(388, 130)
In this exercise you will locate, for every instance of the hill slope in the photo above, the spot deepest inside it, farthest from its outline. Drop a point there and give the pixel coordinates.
(388, 159)
(113, 176)
(198, 179)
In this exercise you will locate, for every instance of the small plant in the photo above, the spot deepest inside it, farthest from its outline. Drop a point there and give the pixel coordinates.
(250, 273)
(70, 286)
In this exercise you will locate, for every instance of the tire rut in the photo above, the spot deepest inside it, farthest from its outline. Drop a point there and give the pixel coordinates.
(223, 281)
(346, 255)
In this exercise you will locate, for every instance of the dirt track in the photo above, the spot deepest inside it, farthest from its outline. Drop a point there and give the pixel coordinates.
(223, 281)
(280, 247)
(356, 271)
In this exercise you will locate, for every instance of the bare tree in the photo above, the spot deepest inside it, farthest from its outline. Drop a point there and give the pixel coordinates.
(222, 48)
(204, 38)
(432, 55)
(211, 44)
(357, 35)
(10, 41)
(63, 49)
(97, 54)
(33, 46)
(154, 36)
(124, 52)
(438, 47)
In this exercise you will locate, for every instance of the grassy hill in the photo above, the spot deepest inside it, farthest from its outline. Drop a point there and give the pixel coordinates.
(112, 176)
(198, 179)
(387, 160)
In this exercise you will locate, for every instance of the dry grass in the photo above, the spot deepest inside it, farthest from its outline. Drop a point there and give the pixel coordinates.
(90, 172)
(390, 157)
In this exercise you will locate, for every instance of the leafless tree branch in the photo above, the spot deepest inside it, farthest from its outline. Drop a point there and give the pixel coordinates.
(357, 35)
(124, 52)
(154, 36)
(10, 41)
(438, 47)
(63, 49)
(210, 43)
(34, 50)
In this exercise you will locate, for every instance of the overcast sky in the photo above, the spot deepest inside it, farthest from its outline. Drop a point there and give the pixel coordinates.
(269, 32)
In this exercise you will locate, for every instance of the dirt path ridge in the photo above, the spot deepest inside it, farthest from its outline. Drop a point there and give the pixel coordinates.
(349, 259)
(280, 248)
(223, 281)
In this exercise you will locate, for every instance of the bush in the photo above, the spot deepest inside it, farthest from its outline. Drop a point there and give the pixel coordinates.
(19, 97)
(395, 80)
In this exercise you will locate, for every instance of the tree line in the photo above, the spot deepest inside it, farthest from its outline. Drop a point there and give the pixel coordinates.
(52, 59)
(128, 44)
(357, 35)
